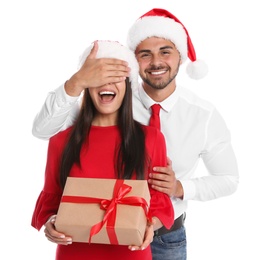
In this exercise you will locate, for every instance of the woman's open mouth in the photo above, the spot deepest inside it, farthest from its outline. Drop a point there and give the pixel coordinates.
(107, 96)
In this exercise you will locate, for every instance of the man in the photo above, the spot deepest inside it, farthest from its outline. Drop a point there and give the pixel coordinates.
(192, 127)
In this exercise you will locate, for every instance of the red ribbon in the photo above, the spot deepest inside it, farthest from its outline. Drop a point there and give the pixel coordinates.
(110, 206)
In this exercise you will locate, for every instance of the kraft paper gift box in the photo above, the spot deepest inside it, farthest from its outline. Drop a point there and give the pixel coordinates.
(104, 211)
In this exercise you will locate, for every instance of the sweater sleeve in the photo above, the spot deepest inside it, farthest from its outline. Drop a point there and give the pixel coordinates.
(160, 205)
(49, 198)
(46, 206)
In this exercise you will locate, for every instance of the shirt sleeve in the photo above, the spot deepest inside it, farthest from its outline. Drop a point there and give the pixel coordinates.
(160, 205)
(58, 112)
(220, 161)
(49, 198)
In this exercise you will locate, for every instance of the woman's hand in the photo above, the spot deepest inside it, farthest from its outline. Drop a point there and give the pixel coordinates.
(55, 236)
(148, 237)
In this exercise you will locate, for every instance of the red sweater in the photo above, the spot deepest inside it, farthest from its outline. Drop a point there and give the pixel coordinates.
(97, 161)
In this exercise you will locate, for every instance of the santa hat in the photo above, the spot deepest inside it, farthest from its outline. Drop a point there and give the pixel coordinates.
(161, 23)
(114, 49)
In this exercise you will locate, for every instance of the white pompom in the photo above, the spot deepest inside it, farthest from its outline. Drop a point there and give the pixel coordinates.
(197, 69)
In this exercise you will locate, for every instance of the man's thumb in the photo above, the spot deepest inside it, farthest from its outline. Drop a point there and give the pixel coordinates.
(93, 51)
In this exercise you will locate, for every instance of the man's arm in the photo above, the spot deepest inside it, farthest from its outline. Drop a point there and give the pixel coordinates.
(220, 161)
(61, 106)
(58, 112)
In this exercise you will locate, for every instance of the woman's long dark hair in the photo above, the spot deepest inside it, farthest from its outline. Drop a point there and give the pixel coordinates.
(131, 155)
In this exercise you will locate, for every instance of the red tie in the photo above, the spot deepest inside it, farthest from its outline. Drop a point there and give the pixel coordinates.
(154, 120)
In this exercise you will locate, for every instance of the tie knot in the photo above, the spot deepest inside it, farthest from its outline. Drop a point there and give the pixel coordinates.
(155, 109)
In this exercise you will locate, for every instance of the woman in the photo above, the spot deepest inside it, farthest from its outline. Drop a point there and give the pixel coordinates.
(105, 142)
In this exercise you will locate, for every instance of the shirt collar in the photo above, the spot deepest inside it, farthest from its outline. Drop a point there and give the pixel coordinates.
(166, 104)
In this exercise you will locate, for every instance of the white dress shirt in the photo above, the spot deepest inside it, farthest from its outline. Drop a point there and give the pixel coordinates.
(192, 127)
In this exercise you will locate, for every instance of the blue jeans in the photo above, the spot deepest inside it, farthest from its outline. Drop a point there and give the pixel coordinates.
(171, 246)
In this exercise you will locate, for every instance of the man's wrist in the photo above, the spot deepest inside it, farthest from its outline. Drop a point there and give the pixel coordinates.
(71, 89)
(179, 190)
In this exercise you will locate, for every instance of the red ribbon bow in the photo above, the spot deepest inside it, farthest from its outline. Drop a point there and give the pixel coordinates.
(110, 206)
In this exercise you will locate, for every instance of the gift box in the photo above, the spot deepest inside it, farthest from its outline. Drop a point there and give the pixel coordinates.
(104, 211)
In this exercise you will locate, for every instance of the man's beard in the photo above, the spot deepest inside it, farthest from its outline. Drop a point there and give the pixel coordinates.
(159, 85)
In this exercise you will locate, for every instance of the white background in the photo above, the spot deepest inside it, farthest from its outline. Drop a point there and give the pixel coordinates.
(39, 49)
